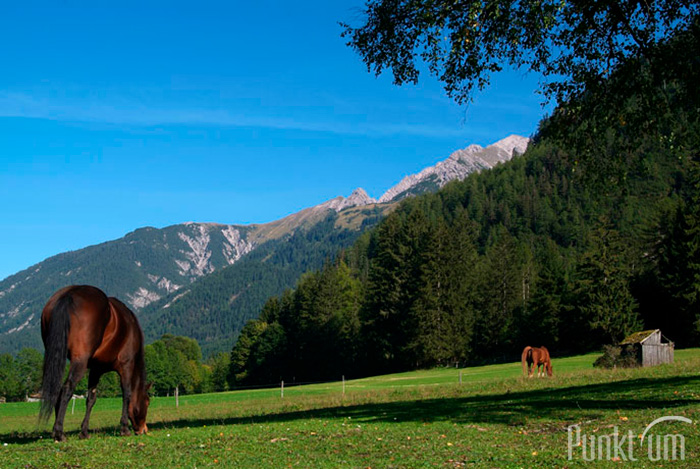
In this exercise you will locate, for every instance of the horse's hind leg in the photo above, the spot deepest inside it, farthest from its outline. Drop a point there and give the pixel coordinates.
(93, 379)
(125, 378)
(77, 370)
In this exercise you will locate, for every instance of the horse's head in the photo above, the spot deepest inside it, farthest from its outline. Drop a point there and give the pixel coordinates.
(549, 368)
(138, 408)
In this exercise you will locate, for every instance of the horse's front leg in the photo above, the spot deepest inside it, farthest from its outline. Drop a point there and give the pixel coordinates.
(90, 401)
(77, 370)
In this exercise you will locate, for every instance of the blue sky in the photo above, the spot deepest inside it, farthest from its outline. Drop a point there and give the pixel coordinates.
(116, 115)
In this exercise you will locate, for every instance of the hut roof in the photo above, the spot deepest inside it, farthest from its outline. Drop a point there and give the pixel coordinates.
(638, 337)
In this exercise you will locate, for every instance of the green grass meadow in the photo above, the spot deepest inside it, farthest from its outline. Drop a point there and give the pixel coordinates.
(494, 418)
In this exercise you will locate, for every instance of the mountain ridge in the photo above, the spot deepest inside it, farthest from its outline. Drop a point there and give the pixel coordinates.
(150, 264)
(458, 165)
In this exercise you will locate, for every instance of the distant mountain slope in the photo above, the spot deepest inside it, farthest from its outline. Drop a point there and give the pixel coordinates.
(151, 264)
(215, 308)
(140, 268)
(163, 273)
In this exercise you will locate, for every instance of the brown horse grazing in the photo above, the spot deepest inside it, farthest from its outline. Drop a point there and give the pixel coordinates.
(536, 357)
(80, 323)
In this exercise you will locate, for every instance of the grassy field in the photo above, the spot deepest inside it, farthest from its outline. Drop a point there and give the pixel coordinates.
(495, 418)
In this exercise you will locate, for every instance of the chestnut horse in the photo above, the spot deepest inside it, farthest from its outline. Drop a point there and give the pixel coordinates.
(536, 357)
(80, 323)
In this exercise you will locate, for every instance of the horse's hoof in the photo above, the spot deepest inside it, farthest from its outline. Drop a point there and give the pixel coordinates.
(59, 438)
(126, 432)
(84, 436)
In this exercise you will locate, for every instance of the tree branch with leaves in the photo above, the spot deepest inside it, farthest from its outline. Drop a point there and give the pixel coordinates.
(571, 43)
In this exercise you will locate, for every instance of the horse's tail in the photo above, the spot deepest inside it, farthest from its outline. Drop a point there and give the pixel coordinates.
(56, 344)
(527, 354)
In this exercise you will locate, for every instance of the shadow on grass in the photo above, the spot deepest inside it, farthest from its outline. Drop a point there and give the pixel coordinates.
(510, 408)
(564, 405)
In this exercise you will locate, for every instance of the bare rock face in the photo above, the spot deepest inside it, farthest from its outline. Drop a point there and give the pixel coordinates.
(198, 254)
(142, 297)
(513, 143)
(236, 246)
(460, 164)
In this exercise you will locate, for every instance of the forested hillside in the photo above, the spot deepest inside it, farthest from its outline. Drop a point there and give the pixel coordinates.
(151, 268)
(592, 234)
(214, 309)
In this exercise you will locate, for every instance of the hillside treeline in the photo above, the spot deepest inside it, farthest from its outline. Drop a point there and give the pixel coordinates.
(173, 364)
(591, 235)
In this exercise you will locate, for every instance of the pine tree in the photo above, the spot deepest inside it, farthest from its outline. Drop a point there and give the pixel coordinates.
(267, 362)
(382, 312)
(428, 344)
(540, 320)
(679, 265)
(500, 290)
(604, 282)
(238, 371)
(445, 301)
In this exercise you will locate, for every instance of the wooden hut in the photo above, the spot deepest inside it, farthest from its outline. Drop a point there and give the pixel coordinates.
(649, 348)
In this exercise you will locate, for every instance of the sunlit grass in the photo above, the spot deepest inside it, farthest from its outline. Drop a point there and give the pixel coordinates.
(495, 418)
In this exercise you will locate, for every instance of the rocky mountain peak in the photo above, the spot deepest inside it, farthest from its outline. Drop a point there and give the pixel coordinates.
(358, 198)
(513, 143)
(464, 153)
(459, 164)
